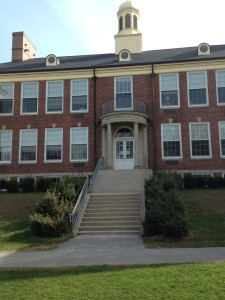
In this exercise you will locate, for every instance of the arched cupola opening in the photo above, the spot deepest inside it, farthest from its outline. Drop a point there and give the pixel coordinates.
(120, 23)
(135, 22)
(127, 21)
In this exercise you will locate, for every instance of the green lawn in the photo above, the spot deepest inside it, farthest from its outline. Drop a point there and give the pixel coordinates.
(190, 281)
(14, 225)
(206, 210)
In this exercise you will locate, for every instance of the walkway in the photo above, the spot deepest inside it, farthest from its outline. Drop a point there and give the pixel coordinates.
(114, 250)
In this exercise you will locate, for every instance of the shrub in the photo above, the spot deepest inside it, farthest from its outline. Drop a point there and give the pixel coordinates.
(43, 185)
(165, 210)
(12, 186)
(189, 181)
(3, 184)
(28, 185)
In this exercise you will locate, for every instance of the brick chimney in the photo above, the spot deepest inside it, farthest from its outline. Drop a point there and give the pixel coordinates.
(22, 47)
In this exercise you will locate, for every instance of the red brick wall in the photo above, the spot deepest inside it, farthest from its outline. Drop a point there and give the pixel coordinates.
(142, 86)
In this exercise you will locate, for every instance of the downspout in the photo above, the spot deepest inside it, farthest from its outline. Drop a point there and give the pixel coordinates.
(95, 117)
(154, 122)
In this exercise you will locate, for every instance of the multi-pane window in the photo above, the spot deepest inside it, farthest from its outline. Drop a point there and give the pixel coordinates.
(197, 88)
(29, 97)
(28, 145)
(79, 94)
(169, 90)
(5, 146)
(54, 96)
(220, 80)
(123, 93)
(53, 144)
(79, 144)
(171, 141)
(222, 138)
(6, 98)
(200, 140)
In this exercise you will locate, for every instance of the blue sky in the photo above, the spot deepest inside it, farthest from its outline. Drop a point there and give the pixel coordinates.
(75, 27)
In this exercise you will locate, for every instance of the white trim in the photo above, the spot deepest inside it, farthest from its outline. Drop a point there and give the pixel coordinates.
(178, 91)
(209, 139)
(71, 96)
(28, 161)
(46, 100)
(221, 123)
(21, 99)
(206, 88)
(45, 146)
(132, 104)
(217, 95)
(87, 136)
(8, 161)
(180, 140)
(9, 114)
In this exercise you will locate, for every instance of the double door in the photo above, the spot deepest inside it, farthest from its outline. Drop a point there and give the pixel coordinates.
(124, 154)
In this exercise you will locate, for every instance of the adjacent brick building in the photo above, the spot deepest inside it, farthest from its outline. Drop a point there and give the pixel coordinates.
(161, 109)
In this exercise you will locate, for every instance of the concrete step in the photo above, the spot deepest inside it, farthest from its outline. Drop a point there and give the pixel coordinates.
(110, 223)
(109, 228)
(109, 214)
(112, 210)
(111, 232)
(110, 218)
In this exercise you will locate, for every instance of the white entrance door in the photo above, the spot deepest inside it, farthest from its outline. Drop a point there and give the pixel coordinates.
(124, 154)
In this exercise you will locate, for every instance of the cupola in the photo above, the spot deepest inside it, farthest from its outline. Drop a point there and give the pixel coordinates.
(128, 36)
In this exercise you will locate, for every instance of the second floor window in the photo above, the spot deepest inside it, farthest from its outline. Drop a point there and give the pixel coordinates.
(29, 97)
(123, 93)
(220, 80)
(222, 138)
(79, 144)
(197, 89)
(169, 90)
(6, 98)
(79, 95)
(54, 97)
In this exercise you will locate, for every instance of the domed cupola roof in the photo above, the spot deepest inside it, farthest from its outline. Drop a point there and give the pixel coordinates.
(124, 5)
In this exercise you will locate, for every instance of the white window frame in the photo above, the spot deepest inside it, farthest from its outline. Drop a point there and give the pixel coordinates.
(20, 148)
(87, 137)
(220, 124)
(161, 90)
(22, 98)
(7, 161)
(180, 141)
(206, 89)
(115, 93)
(11, 113)
(71, 96)
(217, 87)
(209, 139)
(46, 106)
(46, 135)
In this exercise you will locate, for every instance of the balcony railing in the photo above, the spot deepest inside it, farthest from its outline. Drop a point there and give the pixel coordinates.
(124, 106)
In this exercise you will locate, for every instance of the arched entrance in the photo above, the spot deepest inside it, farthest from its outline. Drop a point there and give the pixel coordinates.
(124, 149)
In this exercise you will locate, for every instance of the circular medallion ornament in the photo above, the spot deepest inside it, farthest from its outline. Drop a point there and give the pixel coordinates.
(125, 55)
(51, 59)
(204, 48)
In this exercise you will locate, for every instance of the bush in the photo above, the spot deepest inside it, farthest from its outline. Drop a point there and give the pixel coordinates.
(51, 217)
(165, 210)
(28, 185)
(12, 186)
(3, 184)
(43, 185)
(46, 226)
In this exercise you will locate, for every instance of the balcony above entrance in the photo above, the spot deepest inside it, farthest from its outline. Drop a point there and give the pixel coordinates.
(114, 113)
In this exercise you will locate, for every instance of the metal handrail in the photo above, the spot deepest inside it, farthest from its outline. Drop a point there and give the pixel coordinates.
(77, 213)
(78, 209)
(135, 106)
(100, 166)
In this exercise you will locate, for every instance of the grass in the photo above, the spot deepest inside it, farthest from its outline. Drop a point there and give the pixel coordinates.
(206, 210)
(190, 281)
(14, 225)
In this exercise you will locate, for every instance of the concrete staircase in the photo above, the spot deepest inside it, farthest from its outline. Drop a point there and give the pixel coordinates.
(114, 205)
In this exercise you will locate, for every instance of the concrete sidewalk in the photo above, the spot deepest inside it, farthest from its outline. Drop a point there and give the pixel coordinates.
(113, 250)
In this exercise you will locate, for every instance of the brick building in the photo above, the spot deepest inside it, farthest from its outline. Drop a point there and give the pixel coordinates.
(161, 109)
